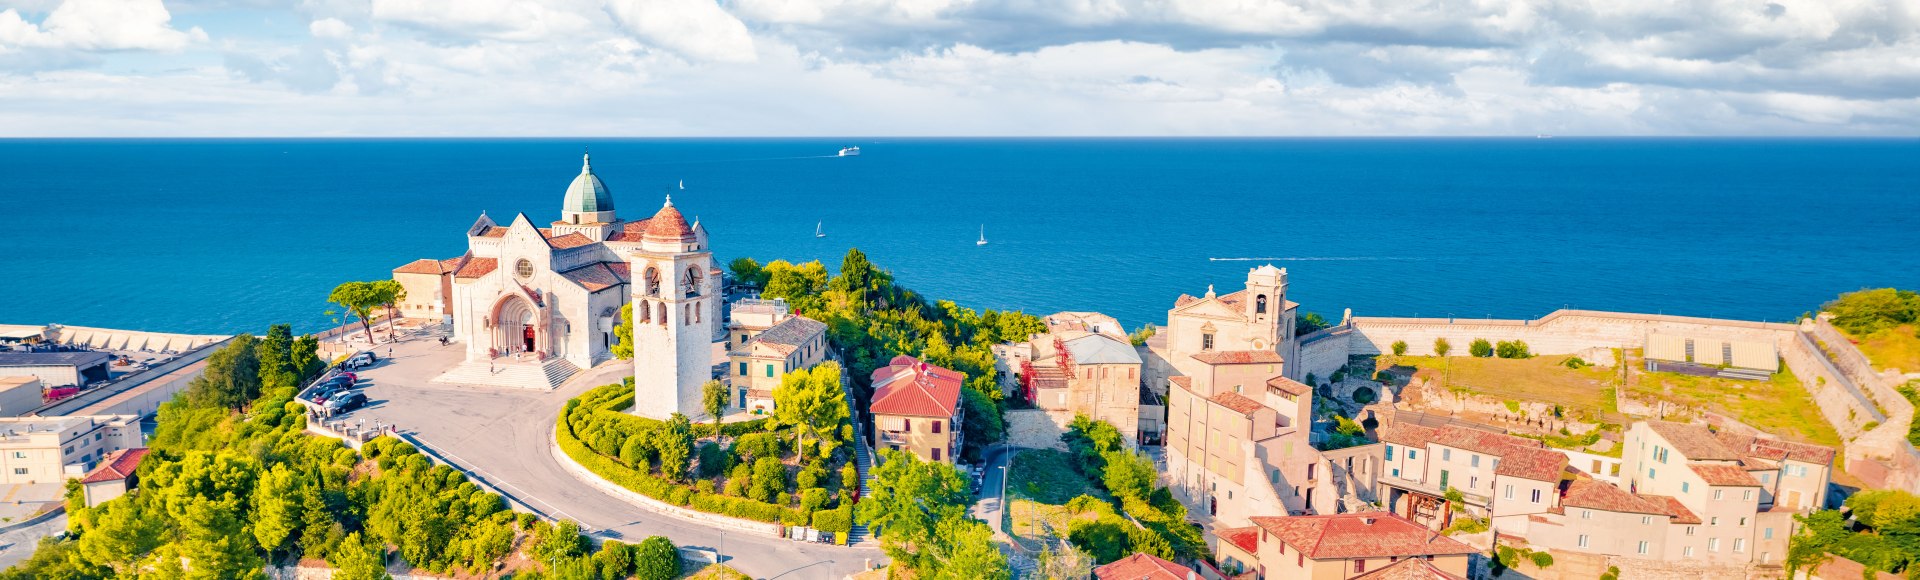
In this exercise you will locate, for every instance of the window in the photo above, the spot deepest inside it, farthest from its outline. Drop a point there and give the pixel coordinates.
(1274, 477)
(769, 370)
(1583, 540)
(1396, 472)
(1766, 534)
(1687, 551)
(1649, 473)
(1719, 494)
(1586, 514)
(1713, 544)
(1389, 453)
(1683, 487)
(1509, 492)
(1446, 454)
(1743, 521)
(743, 369)
(1689, 530)
(69, 450)
(524, 269)
(936, 426)
(1475, 461)
(906, 424)
(1412, 454)
(1300, 559)
(1536, 496)
(96, 436)
(1359, 566)
(1646, 520)
(1765, 477)
(1746, 495)
(1643, 547)
(1206, 341)
(936, 454)
(1739, 545)
(19, 471)
(1713, 521)
(1473, 482)
(19, 455)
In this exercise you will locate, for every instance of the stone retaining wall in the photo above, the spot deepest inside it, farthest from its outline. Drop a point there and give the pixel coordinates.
(1037, 429)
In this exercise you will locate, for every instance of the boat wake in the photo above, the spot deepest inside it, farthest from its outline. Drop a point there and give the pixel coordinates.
(1317, 259)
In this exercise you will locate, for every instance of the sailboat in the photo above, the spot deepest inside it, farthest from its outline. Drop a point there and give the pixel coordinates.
(816, 230)
(983, 236)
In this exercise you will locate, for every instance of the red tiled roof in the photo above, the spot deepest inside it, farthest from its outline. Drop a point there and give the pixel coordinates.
(1049, 378)
(668, 224)
(1600, 495)
(915, 389)
(1184, 381)
(422, 266)
(477, 267)
(570, 241)
(1409, 569)
(598, 275)
(1289, 386)
(117, 465)
(1237, 402)
(1479, 441)
(1534, 464)
(1721, 474)
(1141, 566)
(493, 232)
(1239, 357)
(1694, 441)
(1247, 538)
(1680, 513)
(1407, 434)
(1776, 449)
(1345, 536)
(630, 231)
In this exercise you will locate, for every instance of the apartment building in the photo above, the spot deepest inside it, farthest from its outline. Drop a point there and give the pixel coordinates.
(50, 449)
(916, 409)
(1083, 365)
(1328, 547)
(765, 341)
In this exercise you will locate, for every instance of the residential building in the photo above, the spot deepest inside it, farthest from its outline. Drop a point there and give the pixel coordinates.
(114, 478)
(1142, 566)
(765, 340)
(1422, 463)
(1082, 365)
(1336, 546)
(916, 409)
(49, 449)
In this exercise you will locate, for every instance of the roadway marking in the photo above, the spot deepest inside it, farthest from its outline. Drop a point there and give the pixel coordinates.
(10, 492)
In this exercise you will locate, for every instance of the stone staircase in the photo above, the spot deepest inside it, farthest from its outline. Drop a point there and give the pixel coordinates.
(521, 375)
(862, 456)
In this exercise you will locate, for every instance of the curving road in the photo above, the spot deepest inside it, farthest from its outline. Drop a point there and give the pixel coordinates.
(502, 436)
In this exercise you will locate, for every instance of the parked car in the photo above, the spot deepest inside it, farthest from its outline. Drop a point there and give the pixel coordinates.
(362, 359)
(344, 402)
(350, 376)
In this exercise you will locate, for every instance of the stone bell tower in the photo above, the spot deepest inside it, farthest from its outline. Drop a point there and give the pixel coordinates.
(673, 317)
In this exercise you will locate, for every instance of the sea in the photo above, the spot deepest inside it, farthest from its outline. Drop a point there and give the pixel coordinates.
(230, 235)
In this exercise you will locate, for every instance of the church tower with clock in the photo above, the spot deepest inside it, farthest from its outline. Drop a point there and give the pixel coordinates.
(676, 299)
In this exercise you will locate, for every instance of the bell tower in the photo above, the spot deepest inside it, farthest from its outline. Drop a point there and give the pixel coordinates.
(1266, 303)
(673, 321)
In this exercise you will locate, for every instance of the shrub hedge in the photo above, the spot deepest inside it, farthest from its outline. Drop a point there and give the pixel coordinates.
(659, 488)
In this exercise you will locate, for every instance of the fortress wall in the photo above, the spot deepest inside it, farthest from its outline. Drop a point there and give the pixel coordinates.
(1323, 352)
(1562, 332)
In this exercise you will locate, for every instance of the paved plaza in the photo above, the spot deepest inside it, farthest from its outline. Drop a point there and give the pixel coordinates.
(503, 436)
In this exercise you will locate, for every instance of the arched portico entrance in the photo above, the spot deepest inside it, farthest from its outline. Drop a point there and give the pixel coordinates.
(517, 328)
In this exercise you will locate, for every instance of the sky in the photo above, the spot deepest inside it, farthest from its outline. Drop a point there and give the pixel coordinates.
(646, 68)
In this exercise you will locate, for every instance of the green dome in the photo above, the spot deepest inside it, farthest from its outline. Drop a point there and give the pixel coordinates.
(587, 194)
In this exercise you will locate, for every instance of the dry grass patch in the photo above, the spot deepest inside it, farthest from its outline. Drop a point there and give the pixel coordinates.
(1780, 405)
(1892, 348)
(1541, 378)
(1039, 485)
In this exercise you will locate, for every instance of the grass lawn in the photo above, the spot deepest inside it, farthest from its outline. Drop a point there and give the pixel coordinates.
(1541, 378)
(1893, 348)
(1780, 406)
(715, 572)
(1040, 485)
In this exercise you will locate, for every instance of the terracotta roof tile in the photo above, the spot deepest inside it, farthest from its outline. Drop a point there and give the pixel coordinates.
(1409, 569)
(1239, 357)
(1694, 441)
(1289, 386)
(791, 333)
(493, 232)
(1679, 511)
(117, 465)
(915, 389)
(630, 231)
(1237, 402)
(421, 266)
(1722, 474)
(1184, 381)
(1407, 434)
(1141, 566)
(1600, 495)
(598, 275)
(1534, 464)
(1480, 441)
(477, 267)
(1344, 536)
(1776, 449)
(1247, 538)
(570, 241)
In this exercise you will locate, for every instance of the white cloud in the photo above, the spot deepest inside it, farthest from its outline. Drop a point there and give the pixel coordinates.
(696, 29)
(517, 20)
(331, 28)
(98, 25)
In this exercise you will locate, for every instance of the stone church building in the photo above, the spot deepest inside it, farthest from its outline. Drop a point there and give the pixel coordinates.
(534, 304)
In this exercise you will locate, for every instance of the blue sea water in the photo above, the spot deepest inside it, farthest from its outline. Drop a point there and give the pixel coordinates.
(231, 235)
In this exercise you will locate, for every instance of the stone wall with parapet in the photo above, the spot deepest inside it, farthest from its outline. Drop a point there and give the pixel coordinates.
(1037, 429)
(1847, 404)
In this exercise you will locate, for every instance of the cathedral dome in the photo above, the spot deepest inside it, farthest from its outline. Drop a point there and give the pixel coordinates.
(587, 194)
(669, 225)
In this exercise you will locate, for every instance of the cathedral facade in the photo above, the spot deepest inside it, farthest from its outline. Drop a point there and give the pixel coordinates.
(530, 295)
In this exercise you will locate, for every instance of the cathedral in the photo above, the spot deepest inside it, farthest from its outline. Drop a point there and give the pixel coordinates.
(548, 298)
